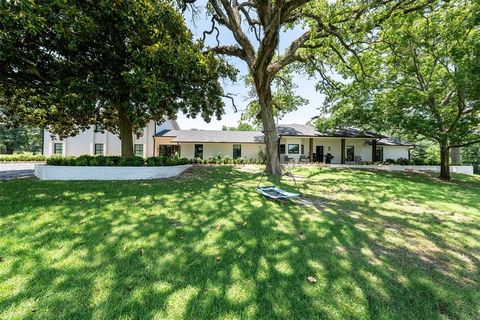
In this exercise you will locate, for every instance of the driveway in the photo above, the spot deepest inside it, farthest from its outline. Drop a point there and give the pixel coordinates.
(16, 170)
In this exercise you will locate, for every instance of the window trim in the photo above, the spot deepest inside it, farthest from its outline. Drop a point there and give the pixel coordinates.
(168, 150)
(353, 154)
(55, 144)
(195, 150)
(377, 158)
(293, 144)
(233, 151)
(95, 149)
(135, 149)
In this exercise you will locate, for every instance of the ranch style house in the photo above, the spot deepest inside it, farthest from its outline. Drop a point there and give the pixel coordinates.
(297, 143)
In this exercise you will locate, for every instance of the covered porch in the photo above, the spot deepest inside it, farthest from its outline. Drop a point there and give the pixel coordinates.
(329, 150)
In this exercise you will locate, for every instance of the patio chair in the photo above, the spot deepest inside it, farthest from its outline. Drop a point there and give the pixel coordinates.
(304, 159)
(286, 159)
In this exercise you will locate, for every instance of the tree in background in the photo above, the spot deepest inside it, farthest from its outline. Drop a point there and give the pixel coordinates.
(471, 155)
(256, 27)
(122, 63)
(20, 139)
(284, 98)
(421, 79)
(242, 126)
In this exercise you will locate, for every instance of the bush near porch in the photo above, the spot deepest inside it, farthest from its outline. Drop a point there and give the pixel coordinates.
(380, 245)
(87, 160)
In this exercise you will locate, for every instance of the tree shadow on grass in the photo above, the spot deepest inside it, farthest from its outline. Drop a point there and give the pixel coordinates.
(208, 246)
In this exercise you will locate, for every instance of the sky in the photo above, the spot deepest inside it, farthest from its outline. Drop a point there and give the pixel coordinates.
(306, 86)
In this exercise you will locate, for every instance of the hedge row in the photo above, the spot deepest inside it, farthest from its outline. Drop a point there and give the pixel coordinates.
(225, 160)
(21, 157)
(86, 160)
(399, 161)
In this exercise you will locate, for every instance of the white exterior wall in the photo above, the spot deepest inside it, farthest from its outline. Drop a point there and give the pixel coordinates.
(249, 150)
(45, 172)
(84, 142)
(334, 147)
(395, 152)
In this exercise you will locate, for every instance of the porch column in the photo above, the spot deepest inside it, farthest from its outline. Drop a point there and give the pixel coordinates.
(342, 158)
(374, 150)
(310, 149)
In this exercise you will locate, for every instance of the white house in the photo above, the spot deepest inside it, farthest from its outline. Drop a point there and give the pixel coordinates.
(299, 143)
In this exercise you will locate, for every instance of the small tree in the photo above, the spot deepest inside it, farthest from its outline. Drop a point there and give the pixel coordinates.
(68, 65)
(421, 79)
(242, 126)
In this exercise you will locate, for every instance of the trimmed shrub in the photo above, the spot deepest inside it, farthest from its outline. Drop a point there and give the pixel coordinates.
(365, 162)
(389, 161)
(99, 160)
(403, 161)
(55, 161)
(84, 160)
(132, 161)
(113, 160)
(21, 157)
(87, 160)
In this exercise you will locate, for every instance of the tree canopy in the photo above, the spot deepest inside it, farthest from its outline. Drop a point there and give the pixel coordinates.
(242, 126)
(419, 78)
(328, 30)
(71, 64)
(284, 98)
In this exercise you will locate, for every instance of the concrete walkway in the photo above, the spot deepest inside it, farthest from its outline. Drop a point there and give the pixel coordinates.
(16, 170)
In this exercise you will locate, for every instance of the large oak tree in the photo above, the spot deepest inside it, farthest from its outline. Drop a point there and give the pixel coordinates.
(256, 27)
(422, 79)
(71, 64)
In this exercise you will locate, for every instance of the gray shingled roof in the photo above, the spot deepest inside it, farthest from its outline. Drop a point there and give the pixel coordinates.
(388, 141)
(307, 130)
(213, 136)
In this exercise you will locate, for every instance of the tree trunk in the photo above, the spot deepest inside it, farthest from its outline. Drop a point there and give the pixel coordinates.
(455, 155)
(126, 132)
(264, 93)
(444, 162)
(9, 149)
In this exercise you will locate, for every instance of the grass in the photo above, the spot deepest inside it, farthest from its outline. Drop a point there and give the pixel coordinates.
(207, 246)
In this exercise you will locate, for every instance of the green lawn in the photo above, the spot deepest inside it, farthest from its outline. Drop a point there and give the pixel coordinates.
(207, 246)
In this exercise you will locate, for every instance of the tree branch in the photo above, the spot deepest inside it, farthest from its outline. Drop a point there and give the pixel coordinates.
(290, 55)
(233, 50)
(464, 144)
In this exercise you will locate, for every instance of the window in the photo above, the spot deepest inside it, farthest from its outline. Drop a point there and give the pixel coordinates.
(140, 134)
(99, 149)
(379, 155)
(138, 150)
(350, 153)
(282, 149)
(237, 151)
(58, 148)
(99, 127)
(293, 148)
(168, 150)
(303, 149)
(199, 151)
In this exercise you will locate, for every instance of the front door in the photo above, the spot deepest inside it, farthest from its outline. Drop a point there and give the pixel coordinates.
(319, 153)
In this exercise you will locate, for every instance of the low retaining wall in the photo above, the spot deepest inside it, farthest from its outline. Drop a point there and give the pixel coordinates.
(44, 172)
(395, 167)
